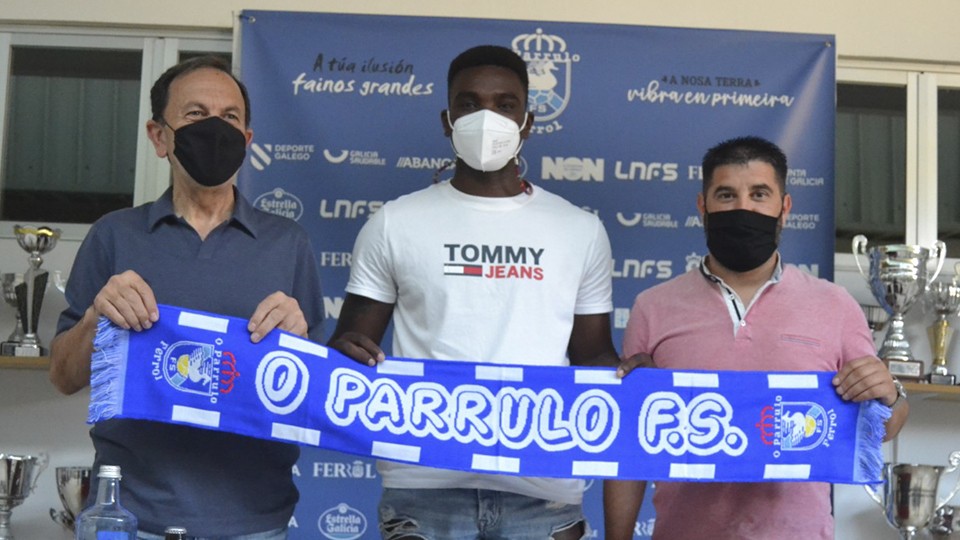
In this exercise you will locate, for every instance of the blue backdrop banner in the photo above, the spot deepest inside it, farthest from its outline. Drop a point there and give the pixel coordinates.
(346, 115)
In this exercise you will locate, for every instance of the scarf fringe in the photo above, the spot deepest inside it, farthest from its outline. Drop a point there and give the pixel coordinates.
(108, 368)
(868, 458)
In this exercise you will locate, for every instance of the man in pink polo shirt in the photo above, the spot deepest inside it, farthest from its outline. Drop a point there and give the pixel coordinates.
(743, 309)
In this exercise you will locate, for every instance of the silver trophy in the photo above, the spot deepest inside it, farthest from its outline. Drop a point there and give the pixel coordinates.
(18, 478)
(73, 486)
(944, 299)
(9, 282)
(898, 276)
(909, 494)
(29, 294)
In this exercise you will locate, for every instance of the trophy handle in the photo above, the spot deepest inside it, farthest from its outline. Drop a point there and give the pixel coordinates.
(859, 248)
(954, 460)
(872, 492)
(941, 249)
(43, 459)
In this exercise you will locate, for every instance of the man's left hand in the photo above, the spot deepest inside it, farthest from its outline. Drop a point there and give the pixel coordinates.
(277, 311)
(865, 378)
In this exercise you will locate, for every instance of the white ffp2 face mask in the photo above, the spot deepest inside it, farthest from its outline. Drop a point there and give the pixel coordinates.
(486, 141)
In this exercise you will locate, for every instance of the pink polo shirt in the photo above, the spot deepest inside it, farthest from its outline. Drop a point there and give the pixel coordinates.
(800, 323)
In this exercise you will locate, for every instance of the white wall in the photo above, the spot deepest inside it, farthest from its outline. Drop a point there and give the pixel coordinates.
(33, 417)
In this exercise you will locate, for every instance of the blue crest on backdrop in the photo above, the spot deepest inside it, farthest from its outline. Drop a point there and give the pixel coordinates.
(346, 115)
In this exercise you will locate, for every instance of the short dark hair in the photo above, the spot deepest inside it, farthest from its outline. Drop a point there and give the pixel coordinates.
(741, 151)
(160, 93)
(489, 55)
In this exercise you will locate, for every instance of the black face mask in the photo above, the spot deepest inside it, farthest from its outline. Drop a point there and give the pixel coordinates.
(210, 150)
(741, 240)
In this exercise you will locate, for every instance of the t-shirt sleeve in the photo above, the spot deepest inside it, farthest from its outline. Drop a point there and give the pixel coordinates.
(371, 269)
(596, 287)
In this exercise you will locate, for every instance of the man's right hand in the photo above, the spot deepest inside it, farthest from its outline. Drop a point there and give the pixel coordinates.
(639, 360)
(127, 301)
(359, 347)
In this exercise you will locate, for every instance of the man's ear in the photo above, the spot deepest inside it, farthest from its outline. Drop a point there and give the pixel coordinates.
(445, 121)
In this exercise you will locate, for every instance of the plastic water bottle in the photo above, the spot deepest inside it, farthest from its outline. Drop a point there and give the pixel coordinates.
(106, 519)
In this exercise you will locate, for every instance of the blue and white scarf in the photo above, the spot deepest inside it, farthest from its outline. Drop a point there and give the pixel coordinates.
(200, 369)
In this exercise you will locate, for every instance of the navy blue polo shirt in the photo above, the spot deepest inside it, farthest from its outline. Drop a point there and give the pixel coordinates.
(212, 483)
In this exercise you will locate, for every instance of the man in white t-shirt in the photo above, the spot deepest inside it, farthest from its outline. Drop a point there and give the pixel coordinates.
(484, 268)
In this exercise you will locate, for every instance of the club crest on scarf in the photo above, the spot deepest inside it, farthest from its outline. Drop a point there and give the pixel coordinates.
(195, 367)
(792, 426)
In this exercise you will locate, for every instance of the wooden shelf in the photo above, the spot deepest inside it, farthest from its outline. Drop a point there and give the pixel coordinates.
(932, 391)
(25, 362)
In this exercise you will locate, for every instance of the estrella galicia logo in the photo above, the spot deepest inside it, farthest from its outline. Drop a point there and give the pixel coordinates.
(282, 380)
(342, 522)
(793, 426)
(195, 368)
(549, 66)
(280, 202)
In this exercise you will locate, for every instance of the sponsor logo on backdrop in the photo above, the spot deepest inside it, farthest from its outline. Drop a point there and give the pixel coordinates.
(714, 90)
(620, 317)
(335, 258)
(280, 202)
(196, 368)
(804, 222)
(799, 178)
(642, 268)
(693, 261)
(493, 262)
(549, 67)
(355, 157)
(356, 469)
(650, 220)
(694, 221)
(796, 426)
(338, 73)
(347, 208)
(571, 168)
(644, 529)
(332, 306)
(642, 170)
(263, 155)
(423, 162)
(342, 522)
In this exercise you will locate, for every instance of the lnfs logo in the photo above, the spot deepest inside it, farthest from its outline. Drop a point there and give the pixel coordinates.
(549, 66)
(196, 368)
(342, 523)
(791, 426)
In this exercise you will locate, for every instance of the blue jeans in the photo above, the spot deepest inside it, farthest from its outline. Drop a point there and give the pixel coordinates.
(276, 534)
(476, 514)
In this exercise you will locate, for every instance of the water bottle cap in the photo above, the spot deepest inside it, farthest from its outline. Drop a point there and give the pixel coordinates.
(175, 530)
(109, 471)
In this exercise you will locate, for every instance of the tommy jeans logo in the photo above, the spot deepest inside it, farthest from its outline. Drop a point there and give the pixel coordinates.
(493, 262)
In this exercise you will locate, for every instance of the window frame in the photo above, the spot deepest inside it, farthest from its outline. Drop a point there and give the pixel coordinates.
(160, 49)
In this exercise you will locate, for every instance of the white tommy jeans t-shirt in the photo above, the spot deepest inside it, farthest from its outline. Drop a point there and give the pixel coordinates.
(483, 279)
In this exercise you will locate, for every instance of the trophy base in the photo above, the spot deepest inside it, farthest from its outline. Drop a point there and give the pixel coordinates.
(936, 378)
(10, 348)
(910, 370)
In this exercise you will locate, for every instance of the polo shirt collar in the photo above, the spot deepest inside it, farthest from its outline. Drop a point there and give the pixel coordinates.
(244, 214)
